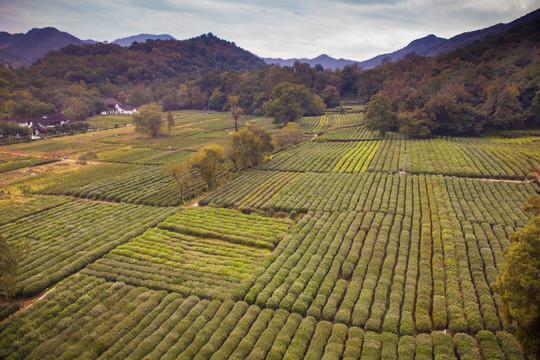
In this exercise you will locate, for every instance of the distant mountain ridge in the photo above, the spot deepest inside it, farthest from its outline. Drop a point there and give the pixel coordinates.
(430, 45)
(24, 49)
(418, 46)
(324, 60)
(141, 38)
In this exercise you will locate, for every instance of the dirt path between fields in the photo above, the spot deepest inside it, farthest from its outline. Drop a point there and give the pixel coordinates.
(496, 180)
(192, 203)
(26, 302)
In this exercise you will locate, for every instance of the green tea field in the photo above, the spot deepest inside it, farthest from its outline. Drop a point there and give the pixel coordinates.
(326, 250)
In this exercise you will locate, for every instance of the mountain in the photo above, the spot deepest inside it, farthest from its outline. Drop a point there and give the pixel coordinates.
(467, 38)
(430, 45)
(143, 62)
(418, 46)
(324, 60)
(24, 49)
(141, 38)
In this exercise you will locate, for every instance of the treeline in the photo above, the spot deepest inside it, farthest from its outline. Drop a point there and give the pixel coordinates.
(488, 84)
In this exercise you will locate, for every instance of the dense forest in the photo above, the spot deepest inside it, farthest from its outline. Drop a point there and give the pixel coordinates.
(492, 84)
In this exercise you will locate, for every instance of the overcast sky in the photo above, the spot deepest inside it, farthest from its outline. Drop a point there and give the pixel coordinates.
(351, 29)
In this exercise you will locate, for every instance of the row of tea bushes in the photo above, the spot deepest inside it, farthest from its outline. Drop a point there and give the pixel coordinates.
(229, 225)
(62, 184)
(65, 238)
(403, 273)
(87, 318)
(137, 184)
(318, 124)
(15, 210)
(161, 259)
(325, 157)
(457, 157)
(9, 164)
(143, 156)
(495, 203)
(461, 157)
(356, 133)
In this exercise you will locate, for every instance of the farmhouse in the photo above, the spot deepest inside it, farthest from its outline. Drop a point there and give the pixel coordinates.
(115, 107)
(40, 124)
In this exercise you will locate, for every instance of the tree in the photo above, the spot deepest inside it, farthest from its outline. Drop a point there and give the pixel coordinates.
(331, 96)
(415, 124)
(379, 114)
(170, 122)
(217, 101)
(289, 135)
(247, 147)
(181, 173)
(235, 110)
(518, 282)
(9, 265)
(208, 162)
(12, 129)
(289, 102)
(148, 120)
(198, 98)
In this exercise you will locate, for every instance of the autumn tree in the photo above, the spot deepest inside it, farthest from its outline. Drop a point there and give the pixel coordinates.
(198, 98)
(415, 124)
(170, 122)
(331, 96)
(248, 146)
(148, 120)
(235, 110)
(288, 102)
(518, 282)
(207, 163)
(379, 114)
(289, 135)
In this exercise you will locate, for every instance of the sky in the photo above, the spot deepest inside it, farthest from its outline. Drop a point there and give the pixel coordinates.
(350, 29)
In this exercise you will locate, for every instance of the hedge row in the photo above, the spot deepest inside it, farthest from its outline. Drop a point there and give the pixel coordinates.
(137, 184)
(495, 203)
(26, 161)
(15, 210)
(356, 133)
(324, 157)
(419, 271)
(143, 156)
(457, 157)
(65, 238)
(318, 124)
(86, 317)
(228, 225)
(161, 259)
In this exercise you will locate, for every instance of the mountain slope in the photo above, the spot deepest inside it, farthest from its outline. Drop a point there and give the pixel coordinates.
(467, 38)
(418, 46)
(147, 61)
(27, 48)
(141, 38)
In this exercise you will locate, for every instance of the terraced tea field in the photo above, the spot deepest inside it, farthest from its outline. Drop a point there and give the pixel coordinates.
(323, 252)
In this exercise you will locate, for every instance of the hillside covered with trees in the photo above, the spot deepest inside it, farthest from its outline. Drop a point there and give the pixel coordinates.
(492, 84)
